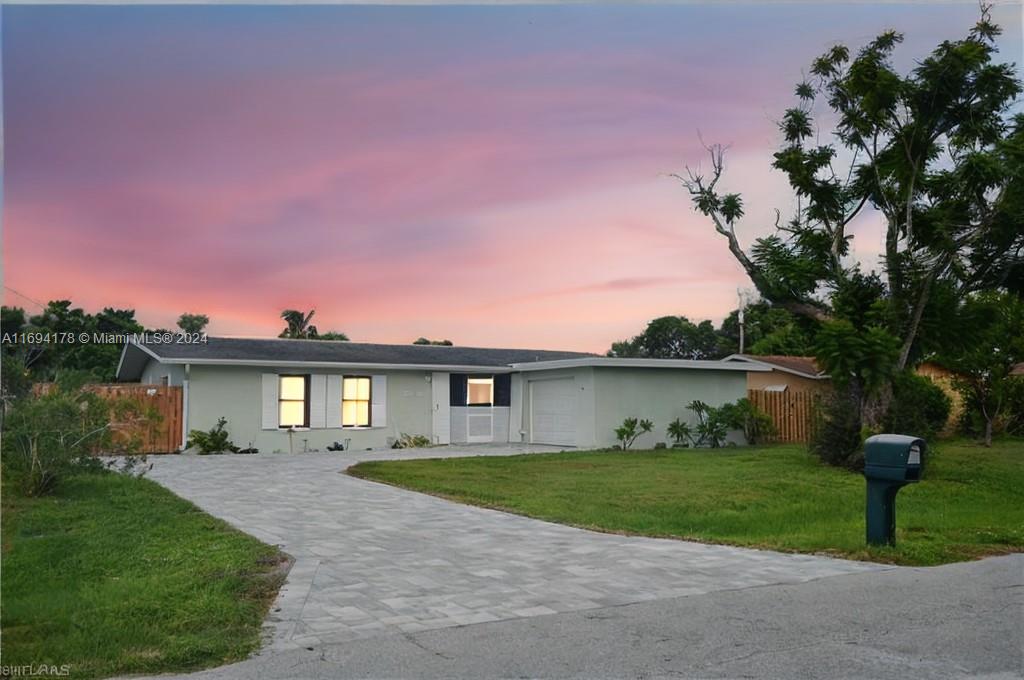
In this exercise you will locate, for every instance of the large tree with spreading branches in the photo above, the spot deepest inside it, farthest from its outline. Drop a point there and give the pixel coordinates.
(937, 152)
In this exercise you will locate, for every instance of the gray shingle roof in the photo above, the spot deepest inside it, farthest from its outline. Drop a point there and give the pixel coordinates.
(251, 349)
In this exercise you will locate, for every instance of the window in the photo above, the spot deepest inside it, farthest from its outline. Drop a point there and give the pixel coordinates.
(355, 401)
(480, 392)
(293, 401)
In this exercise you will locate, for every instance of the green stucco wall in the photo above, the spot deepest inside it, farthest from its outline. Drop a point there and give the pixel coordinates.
(235, 393)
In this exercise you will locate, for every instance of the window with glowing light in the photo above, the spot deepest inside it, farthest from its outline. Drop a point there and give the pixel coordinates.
(355, 401)
(293, 400)
(480, 392)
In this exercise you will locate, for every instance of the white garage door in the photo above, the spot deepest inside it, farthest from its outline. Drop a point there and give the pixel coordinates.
(553, 412)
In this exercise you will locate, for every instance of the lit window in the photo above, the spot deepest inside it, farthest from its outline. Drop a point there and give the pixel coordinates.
(355, 402)
(480, 392)
(292, 411)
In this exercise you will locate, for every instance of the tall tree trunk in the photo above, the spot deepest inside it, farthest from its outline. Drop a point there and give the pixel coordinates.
(875, 406)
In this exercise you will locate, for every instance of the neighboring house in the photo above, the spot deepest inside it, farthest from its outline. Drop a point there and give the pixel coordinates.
(371, 394)
(784, 373)
(945, 380)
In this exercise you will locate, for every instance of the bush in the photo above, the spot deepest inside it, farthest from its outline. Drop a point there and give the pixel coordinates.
(836, 438)
(630, 429)
(919, 407)
(680, 433)
(411, 441)
(214, 440)
(711, 429)
(50, 437)
(757, 426)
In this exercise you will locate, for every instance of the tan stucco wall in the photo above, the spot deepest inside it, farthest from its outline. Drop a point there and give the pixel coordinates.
(760, 381)
(235, 393)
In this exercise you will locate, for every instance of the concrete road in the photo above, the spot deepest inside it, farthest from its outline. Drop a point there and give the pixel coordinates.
(964, 620)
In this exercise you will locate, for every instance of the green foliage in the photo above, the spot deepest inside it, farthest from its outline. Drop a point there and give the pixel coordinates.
(630, 429)
(836, 437)
(48, 438)
(919, 407)
(332, 335)
(297, 325)
(938, 152)
(60, 320)
(711, 429)
(193, 323)
(411, 441)
(214, 440)
(672, 337)
(988, 340)
(756, 425)
(866, 356)
(680, 433)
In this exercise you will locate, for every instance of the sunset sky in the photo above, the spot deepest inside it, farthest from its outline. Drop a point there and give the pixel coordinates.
(496, 176)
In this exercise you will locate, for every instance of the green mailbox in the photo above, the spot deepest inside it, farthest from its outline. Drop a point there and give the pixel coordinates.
(891, 461)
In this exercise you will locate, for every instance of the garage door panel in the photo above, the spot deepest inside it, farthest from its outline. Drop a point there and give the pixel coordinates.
(553, 411)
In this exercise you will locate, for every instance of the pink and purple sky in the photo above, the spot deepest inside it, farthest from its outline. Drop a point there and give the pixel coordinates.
(496, 176)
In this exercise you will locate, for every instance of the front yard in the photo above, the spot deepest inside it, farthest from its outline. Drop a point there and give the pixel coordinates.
(970, 504)
(118, 575)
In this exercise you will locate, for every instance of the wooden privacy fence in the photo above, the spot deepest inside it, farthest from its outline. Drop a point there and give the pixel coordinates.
(161, 434)
(793, 412)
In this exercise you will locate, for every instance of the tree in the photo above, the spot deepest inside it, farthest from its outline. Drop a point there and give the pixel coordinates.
(988, 341)
(767, 330)
(193, 323)
(298, 325)
(672, 337)
(425, 341)
(332, 335)
(936, 152)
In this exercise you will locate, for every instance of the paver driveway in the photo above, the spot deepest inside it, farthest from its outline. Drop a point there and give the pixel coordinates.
(371, 558)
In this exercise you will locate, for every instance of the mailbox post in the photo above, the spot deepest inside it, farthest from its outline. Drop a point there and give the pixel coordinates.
(891, 461)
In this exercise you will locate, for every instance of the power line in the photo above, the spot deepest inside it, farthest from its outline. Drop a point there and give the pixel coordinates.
(22, 295)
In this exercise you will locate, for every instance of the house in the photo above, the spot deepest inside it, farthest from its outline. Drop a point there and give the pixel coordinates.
(783, 373)
(286, 394)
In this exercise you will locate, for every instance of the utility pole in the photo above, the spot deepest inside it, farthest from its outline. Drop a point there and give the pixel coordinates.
(743, 296)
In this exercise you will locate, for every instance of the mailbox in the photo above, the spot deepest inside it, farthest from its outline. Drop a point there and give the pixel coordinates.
(891, 461)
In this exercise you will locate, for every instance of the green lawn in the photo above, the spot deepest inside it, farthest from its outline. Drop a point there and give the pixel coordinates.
(970, 504)
(118, 575)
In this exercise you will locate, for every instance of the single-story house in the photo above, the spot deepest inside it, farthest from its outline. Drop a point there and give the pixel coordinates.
(322, 391)
(783, 373)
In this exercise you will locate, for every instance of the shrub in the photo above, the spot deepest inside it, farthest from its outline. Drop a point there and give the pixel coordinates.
(919, 407)
(50, 437)
(214, 440)
(680, 433)
(630, 429)
(757, 426)
(411, 441)
(711, 429)
(836, 438)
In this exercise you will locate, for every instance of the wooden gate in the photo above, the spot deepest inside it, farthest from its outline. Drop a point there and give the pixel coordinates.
(157, 435)
(792, 411)
(163, 434)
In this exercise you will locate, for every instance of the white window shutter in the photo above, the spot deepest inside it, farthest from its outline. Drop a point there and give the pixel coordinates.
(379, 401)
(333, 416)
(317, 400)
(270, 407)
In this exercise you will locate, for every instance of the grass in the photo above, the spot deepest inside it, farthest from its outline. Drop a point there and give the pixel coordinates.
(115, 575)
(970, 504)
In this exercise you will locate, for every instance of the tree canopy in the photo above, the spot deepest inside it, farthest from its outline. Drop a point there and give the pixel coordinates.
(938, 152)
